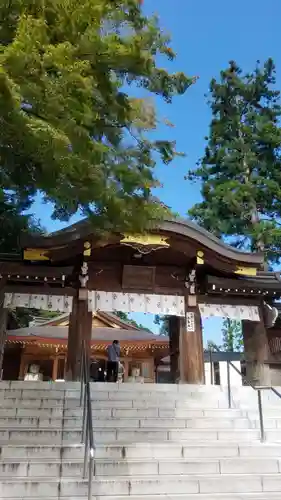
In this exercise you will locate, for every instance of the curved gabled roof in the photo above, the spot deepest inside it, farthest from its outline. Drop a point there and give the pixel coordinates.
(99, 334)
(110, 319)
(173, 228)
(189, 229)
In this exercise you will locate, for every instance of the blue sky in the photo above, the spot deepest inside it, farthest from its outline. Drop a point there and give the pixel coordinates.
(205, 36)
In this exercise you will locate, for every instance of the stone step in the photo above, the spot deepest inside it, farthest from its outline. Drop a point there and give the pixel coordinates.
(139, 467)
(59, 411)
(168, 450)
(147, 412)
(42, 436)
(144, 486)
(42, 451)
(216, 496)
(10, 403)
(74, 397)
(188, 450)
(104, 386)
(251, 400)
(131, 423)
(135, 423)
(129, 412)
(108, 435)
(144, 389)
(180, 405)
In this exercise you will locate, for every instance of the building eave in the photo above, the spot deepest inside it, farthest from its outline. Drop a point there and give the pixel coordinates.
(183, 228)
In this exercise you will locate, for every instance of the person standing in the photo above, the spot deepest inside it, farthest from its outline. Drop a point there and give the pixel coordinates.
(113, 357)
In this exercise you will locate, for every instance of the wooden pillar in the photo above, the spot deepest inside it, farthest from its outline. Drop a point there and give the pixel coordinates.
(256, 351)
(191, 349)
(80, 328)
(126, 369)
(55, 369)
(3, 327)
(22, 364)
(174, 334)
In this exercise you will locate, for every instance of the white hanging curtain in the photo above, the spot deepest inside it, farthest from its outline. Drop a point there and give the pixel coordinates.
(137, 302)
(55, 303)
(250, 313)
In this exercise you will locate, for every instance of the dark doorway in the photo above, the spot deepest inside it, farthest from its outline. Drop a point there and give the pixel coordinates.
(98, 370)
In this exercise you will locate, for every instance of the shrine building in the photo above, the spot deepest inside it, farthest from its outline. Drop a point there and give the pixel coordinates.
(45, 344)
(177, 269)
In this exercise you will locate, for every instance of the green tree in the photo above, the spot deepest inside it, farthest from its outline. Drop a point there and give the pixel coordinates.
(232, 336)
(241, 168)
(163, 322)
(212, 346)
(125, 317)
(13, 222)
(20, 317)
(68, 127)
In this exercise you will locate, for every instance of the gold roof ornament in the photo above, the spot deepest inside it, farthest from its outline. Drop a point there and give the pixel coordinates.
(35, 254)
(145, 239)
(145, 243)
(87, 249)
(246, 271)
(200, 257)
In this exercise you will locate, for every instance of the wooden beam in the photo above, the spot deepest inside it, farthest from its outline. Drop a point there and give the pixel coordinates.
(229, 300)
(40, 290)
(22, 269)
(191, 350)
(244, 283)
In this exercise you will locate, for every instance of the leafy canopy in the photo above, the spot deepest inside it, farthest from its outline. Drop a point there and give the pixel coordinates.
(68, 127)
(125, 317)
(163, 322)
(13, 222)
(241, 168)
(232, 336)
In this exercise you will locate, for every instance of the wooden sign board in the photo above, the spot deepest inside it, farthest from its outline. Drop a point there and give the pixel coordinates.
(138, 277)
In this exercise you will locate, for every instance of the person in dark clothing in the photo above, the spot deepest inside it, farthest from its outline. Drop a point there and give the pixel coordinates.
(113, 357)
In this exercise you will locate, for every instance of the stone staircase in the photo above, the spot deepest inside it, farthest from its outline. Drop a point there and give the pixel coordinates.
(153, 442)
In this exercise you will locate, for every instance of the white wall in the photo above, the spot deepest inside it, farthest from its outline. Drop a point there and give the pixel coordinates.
(235, 378)
(208, 373)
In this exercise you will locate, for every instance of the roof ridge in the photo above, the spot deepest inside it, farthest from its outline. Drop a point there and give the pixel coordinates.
(109, 316)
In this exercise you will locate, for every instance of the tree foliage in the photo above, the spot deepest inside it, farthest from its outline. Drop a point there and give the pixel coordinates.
(241, 168)
(68, 127)
(13, 222)
(212, 346)
(232, 337)
(163, 322)
(125, 317)
(20, 317)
